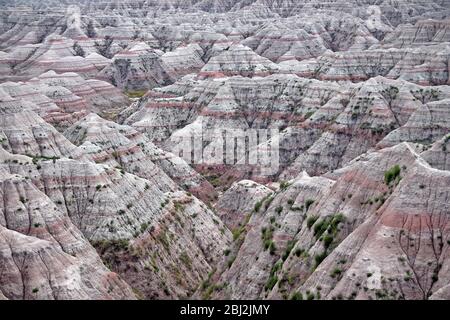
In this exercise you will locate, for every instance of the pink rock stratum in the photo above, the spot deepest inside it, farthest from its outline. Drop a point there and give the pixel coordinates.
(119, 179)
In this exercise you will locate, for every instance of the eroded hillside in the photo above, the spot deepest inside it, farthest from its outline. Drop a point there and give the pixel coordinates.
(122, 176)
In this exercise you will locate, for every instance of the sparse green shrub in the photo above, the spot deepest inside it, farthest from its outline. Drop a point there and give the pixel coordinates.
(309, 114)
(178, 206)
(273, 279)
(231, 261)
(392, 174)
(310, 221)
(271, 283)
(299, 252)
(284, 185)
(258, 206)
(297, 296)
(266, 236)
(327, 240)
(289, 247)
(336, 273)
(308, 203)
(318, 258)
(136, 94)
(268, 202)
(329, 224)
(186, 260)
(310, 296)
(144, 227)
(237, 232)
(272, 248)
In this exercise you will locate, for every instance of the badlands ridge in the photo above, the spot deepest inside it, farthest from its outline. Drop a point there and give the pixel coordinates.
(96, 98)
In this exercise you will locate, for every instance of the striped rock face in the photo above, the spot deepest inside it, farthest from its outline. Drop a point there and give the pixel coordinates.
(233, 149)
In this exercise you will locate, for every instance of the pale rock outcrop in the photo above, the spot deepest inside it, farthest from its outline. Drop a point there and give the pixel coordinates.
(437, 156)
(123, 146)
(44, 256)
(238, 60)
(138, 68)
(240, 199)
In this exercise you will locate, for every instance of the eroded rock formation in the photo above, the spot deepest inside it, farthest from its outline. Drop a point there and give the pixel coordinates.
(104, 196)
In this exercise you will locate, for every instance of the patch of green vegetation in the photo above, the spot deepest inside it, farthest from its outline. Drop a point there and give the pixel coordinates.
(114, 245)
(135, 94)
(237, 232)
(444, 145)
(164, 203)
(266, 236)
(297, 296)
(308, 203)
(36, 159)
(231, 261)
(162, 238)
(392, 174)
(273, 278)
(336, 273)
(299, 252)
(206, 285)
(287, 251)
(327, 240)
(329, 224)
(258, 206)
(271, 282)
(309, 295)
(214, 180)
(268, 202)
(309, 114)
(272, 248)
(186, 260)
(318, 258)
(310, 221)
(284, 185)
(144, 227)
